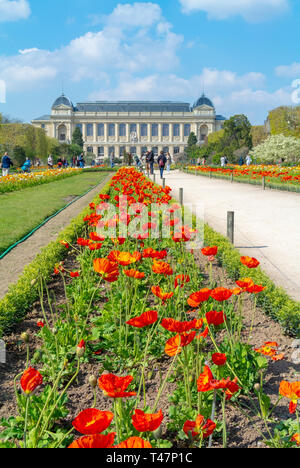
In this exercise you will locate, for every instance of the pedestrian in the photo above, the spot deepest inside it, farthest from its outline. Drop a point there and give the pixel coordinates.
(6, 163)
(223, 161)
(248, 160)
(241, 161)
(59, 163)
(81, 161)
(50, 161)
(169, 162)
(162, 160)
(26, 166)
(151, 162)
(112, 160)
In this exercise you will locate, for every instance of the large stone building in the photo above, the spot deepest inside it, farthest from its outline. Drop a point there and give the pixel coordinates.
(135, 127)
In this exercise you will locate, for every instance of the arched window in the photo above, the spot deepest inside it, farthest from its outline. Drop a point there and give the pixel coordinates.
(62, 133)
(203, 132)
(111, 151)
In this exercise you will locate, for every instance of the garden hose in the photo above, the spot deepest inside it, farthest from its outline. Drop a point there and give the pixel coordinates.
(44, 222)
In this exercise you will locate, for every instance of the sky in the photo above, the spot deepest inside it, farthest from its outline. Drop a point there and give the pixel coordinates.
(244, 54)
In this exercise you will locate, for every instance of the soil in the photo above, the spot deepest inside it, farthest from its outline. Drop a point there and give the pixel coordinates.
(242, 433)
(12, 266)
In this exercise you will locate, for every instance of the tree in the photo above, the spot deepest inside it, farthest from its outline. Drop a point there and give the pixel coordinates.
(237, 132)
(285, 121)
(192, 141)
(19, 155)
(77, 138)
(259, 134)
(278, 147)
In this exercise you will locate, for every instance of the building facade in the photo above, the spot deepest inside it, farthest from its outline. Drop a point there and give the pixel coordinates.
(135, 127)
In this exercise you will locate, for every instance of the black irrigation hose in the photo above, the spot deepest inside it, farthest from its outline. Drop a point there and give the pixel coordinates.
(44, 222)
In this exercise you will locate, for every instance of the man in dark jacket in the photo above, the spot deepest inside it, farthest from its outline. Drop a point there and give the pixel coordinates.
(5, 164)
(162, 161)
(150, 160)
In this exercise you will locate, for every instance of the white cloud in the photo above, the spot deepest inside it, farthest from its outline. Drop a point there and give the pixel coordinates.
(250, 10)
(14, 10)
(289, 71)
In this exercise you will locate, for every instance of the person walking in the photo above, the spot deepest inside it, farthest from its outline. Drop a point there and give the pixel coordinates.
(241, 161)
(26, 166)
(6, 163)
(81, 161)
(50, 161)
(169, 162)
(162, 161)
(151, 162)
(248, 160)
(223, 161)
(112, 160)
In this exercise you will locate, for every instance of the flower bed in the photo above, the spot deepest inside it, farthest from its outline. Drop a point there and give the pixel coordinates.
(283, 178)
(139, 308)
(15, 182)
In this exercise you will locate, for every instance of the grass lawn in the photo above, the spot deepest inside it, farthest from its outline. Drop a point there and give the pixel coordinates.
(23, 210)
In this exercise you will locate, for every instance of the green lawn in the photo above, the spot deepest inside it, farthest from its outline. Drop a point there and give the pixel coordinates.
(22, 211)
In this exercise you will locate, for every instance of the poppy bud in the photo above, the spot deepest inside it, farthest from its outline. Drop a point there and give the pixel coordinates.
(25, 337)
(257, 387)
(150, 375)
(93, 381)
(54, 331)
(80, 350)
(33, 282)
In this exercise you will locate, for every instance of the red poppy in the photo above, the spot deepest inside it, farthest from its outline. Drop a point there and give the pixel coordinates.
(96, 441)
(219, 359)
(65, 244)
(176, 326)
(83, 242)
(210, 251)
(92, 421)
(245, 283)
(30, 380)
(255, 289)
(40, 324)
(232, 388)
(143, 422)
(74, 274)
(215, 318)
(161, 268)
(134, 274)
(291, 391)
(134, 442)
(124, 258)
(199, 428)
(107, 269)
(147, 318)
(250, 262)
(114, 386)
(95, 246)
(204, 382)
(96, 238)
(198, 297)
(180, 280)
(221, 294)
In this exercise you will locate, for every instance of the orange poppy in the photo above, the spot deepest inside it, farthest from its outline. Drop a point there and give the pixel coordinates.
(134, 274)
(114, 386)
(134, 442)
(156, 290)
(175, 344)
(200, 427)
(83, 242)
(296, 438)
(291, 391)
(107, 269)
(96, 238)
(255, 289)
(181, 280)
(204, 382)
(210, 251)
(245, 283)
(147, 318)
(143, 422)
(176, 326)
(92, 421)
(95, 441)
(221, 294)
(198, 297)
(124, 258)
(95, 246)
(151, 253)
(30, 380)
(161, 268)
(250, 262)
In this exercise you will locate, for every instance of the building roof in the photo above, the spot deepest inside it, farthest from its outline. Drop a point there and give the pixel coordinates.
(220, 117)
(203, 101)
(62, 101)
(133, 106)
(44, 117)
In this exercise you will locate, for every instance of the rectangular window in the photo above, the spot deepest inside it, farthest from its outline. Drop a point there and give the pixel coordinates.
(132, 128)
(176, 130)
(101, 151)
(79, 126)
(122, 130)
(89, 130)
(101, 130)
(166, 130)
(122, 151)
(176, 150)
(187, 130)
(111, 130)
(155, 130)
(144, 130)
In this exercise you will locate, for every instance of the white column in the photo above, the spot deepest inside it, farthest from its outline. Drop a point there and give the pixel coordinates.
(117, 132)
(160, 132)
(138, 131)
(149, 133)
(127, 133)
(181, 133)
(95, 132)
(106, 133)
(171, 132)
(84, 132)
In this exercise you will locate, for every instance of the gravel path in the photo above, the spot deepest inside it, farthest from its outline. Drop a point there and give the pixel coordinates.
(267, 223)
(12, 266)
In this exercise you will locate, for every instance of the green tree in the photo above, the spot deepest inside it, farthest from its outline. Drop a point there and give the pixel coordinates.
(192, 141)
(77, 138)
(237, 132)
(19, 155)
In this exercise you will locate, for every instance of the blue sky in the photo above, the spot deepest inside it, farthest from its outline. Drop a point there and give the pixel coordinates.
(243, 53)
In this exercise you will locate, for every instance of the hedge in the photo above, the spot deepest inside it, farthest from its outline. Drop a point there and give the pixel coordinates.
(15, 305)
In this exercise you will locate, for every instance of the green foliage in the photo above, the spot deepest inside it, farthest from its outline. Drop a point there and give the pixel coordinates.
(77, 138)
(192, 140)
(277, 147)
(259, 134)
(285, 121)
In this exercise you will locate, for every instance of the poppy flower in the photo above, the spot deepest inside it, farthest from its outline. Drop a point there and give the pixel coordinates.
(134, 442)
(161, 268)
(255, 289)
(291, 391)
(221, 294)
(124, 258)
(107, 269)
(231, 389)
(204, 334)
(30, 380)
(250, 262)
(245, 283)
(175, 344)
(210, 251)
(92, 421)
(296, 438)
(114, 386)
(95, 441)
(180, 280)
(267, 349)
(204, 382)
(74, 274)
(134, 274)
(40, 324)
(219, 359)
(65, 244)
(96, 238)
(176, 326)
(156, 290)
(143, 422)
(83, 242)
(147, 318)
(198, 297)
(95, 246)
(215, 318)
(200, 427)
